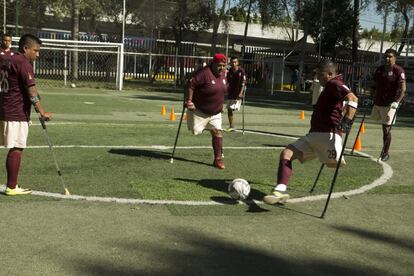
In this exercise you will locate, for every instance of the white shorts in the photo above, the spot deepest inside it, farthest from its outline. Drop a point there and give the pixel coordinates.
(198, 121)
(385, 114)
(327, 146)
(234, 104)
(14, 134)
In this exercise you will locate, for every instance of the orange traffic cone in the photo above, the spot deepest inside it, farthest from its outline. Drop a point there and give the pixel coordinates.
(163, 110)
(362, 129)
(185, 116)
(358, 144)
(302, 115)
(172, 114)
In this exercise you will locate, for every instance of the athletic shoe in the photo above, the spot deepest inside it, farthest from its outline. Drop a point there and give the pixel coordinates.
(231, 129)
(385, 157)
(17, 191)
(218, 163)
(276, 197)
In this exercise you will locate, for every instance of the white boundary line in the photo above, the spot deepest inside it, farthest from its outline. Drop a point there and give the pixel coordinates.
(387, 174)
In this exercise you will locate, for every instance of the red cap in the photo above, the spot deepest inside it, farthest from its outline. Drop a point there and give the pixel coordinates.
(219, 58)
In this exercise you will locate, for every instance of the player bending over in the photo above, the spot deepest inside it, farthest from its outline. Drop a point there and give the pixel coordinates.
(324, 139)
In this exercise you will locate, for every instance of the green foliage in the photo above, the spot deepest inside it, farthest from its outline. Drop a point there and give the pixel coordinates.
(374, 34)
(337, 22)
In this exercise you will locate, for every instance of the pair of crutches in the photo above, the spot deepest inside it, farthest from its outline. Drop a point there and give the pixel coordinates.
(340, 160)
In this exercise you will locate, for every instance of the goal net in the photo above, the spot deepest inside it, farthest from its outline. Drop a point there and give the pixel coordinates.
(79, 63)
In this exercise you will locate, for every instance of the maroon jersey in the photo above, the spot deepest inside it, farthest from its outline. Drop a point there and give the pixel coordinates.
(14, 100)
(235, 79)
(328, 109)
(388, 83)
(209, 91)
(6, 55)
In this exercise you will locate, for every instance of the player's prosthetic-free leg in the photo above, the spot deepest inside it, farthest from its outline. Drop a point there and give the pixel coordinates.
(178, 133)
(388, 133)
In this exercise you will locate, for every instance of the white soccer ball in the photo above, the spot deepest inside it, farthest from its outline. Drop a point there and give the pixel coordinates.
(239, 189)
(73, 85)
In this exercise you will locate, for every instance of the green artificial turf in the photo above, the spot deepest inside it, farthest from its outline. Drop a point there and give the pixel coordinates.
(117, 144)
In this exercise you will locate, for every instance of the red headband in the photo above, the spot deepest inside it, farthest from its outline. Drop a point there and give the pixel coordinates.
(219, 58)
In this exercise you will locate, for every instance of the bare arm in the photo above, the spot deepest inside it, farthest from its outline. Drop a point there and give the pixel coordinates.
(34, 97)
(189, 101)
(403, 89)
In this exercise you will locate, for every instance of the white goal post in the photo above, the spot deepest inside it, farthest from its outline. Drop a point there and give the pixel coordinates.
(95, 62)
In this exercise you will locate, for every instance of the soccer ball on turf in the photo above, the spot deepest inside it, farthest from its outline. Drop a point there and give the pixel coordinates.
(73, 85)
(239, 189)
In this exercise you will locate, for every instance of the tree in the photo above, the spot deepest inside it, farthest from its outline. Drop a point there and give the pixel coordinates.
(75, 36)
(404, 7)
(337, 17)
(216, 18)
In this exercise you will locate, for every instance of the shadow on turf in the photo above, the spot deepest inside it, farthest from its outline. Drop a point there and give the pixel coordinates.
(152, 154)
(375, 236)
(186, 250)
(221, 185)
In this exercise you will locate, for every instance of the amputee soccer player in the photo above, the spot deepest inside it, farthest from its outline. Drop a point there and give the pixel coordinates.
(205, 101)
(324, 139)
(18, 93)
(236, 79)
(390, 87)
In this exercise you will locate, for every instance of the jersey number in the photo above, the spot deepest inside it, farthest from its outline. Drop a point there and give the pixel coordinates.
(332, 154)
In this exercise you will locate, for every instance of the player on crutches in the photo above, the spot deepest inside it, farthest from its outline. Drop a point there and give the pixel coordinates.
(390, 88)
(324, 139)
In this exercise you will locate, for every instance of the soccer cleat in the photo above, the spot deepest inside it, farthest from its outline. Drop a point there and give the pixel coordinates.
(385, 157)
(17, 191)
(231, 129)
(218, 163)
(276, 197)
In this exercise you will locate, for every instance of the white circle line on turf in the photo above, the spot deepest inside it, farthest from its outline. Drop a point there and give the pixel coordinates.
(387, 174)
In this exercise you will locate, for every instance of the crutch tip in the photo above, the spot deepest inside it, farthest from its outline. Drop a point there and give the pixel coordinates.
(172, 160)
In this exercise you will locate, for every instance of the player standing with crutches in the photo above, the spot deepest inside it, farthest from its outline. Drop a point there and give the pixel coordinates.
(390, 87)
(236, 79)
(324, 140)
(18, 94)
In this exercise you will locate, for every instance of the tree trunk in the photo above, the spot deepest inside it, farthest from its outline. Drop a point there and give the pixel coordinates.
(216, 24)
(404, 11)
(75, 36)
(246, 27)
(354, 78)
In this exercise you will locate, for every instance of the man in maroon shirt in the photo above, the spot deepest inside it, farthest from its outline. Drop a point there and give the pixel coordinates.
(205, 101)
(390, 87)
(236, 79)
(18, 93)
(5, 49)
(324, 139)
